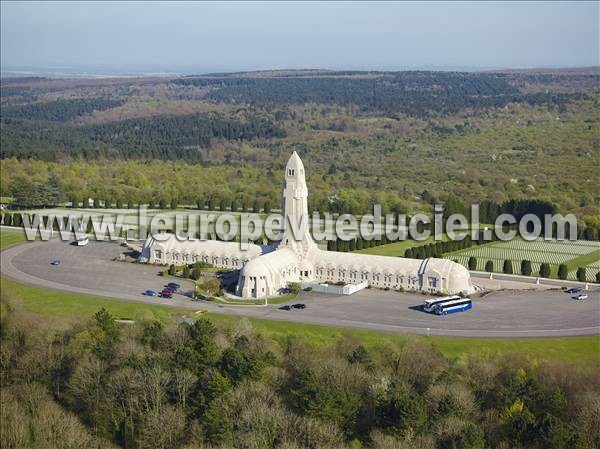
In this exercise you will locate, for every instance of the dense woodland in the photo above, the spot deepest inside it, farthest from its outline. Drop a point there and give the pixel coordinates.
(418, 94)
(100, 384)
(154, 138)
(401, 139)
(59, 110)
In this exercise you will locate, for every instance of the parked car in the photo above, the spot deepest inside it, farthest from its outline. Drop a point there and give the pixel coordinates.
(299, 306)
(581, 297)
(55, 262)
(151, 293)
(286, 307)
(574, 290)
(173, 286)
(166, 293)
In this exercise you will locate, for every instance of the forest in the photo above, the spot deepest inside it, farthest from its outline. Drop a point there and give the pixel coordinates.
(418, 94)
(59, 110)
(401, 139)
(151, 138)
(102, 384)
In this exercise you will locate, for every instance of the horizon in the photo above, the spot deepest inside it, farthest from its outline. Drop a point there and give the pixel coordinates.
(198, 38)
(90, 72)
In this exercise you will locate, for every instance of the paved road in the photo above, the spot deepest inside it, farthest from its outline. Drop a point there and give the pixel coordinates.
(94, 270)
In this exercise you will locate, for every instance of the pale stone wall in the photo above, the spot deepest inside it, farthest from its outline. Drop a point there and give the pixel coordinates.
(267, 271)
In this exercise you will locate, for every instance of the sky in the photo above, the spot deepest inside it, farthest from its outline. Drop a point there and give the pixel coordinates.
(190, 37)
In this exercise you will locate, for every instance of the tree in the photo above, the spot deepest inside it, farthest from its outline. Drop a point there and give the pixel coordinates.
(237, 365)
(163, 429)
(34, 193)
(223, 205)
(211, 285)
(255, 207)
(360, 355)
(202, 334)
(56, 189)
(507, 267)
(472, 263)
(581, 277)
(526, 268)
(401, 409)
(454, 206)
(196, 273)
(598, 276)
(186, 272)
(162, 204)
(174, 203)
(562, 271)
(545, 270)
(267, 207)
(489, 266)
(105, 334)
(17, 220)
(218, 426)
(294, 287)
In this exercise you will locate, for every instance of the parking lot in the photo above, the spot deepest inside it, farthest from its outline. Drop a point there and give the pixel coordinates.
(95, 269)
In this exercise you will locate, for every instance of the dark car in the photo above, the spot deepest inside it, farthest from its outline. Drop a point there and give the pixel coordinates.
(166, 293)
(574, 290)
(286, 307)
(55, 262)
(150, 293)
(173, 286)
(299, 306)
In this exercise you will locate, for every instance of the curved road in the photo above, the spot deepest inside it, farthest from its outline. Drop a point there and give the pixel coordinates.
(93, 270)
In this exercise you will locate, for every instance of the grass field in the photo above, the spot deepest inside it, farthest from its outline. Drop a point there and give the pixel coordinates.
(574, 254)
(397, 249)
(245, 302)
(10, 237)
(62, 305)
(66, 308)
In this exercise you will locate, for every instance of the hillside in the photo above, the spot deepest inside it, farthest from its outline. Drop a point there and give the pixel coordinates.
(404, 139)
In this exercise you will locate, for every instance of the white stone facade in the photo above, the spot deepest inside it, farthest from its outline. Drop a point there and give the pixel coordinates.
(267, 271)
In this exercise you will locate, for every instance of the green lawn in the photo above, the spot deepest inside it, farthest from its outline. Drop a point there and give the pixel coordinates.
(11, 237)
(581, 350)
(583, 260)
(245, 302)
(397, 249)
(57, 305)
(536, 251)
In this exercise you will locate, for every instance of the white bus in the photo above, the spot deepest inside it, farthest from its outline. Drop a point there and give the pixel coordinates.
(458, 305)
(429, 304)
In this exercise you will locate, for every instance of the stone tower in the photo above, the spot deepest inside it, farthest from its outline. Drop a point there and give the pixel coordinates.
(294, 205)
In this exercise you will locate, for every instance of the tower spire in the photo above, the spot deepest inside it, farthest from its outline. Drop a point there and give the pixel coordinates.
(295, 206)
